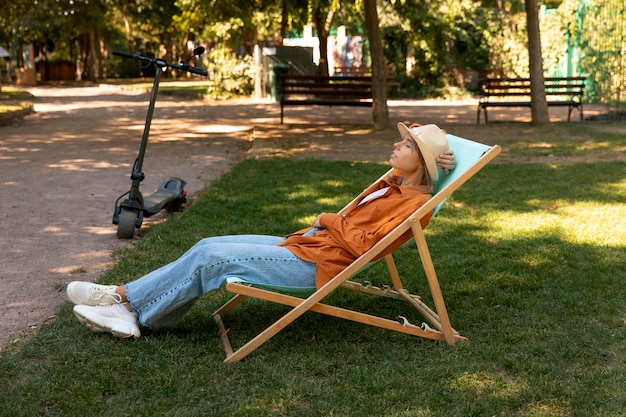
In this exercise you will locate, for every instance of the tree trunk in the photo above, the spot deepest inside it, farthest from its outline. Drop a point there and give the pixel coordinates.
(379, 88)
(284, 17)
(538, 105)
(322, 35)
(92, 59)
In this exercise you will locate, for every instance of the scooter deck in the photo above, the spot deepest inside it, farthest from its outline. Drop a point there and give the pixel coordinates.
(155, 202)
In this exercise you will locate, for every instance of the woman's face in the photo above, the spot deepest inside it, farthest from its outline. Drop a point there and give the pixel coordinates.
(405, 156)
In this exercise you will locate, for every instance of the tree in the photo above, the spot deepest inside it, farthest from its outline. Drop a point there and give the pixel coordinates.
(538, 105)
(322, 13)
(379, 87)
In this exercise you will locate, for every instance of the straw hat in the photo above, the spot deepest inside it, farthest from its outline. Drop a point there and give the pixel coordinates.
(431, 141)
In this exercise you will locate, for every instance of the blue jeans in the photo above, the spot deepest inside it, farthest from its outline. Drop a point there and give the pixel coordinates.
(163, 296)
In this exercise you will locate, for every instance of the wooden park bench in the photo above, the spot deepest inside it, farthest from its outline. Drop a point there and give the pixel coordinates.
(515, 92)
(348, 90)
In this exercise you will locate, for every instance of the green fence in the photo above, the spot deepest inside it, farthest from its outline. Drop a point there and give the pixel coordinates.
(601, 45)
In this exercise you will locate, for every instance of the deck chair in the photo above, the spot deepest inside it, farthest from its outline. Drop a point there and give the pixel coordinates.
(471, 157)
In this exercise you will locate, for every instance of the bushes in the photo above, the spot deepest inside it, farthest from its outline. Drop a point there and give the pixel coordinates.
(231, 75)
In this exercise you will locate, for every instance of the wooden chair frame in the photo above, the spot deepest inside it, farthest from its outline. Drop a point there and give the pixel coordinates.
(438, 318)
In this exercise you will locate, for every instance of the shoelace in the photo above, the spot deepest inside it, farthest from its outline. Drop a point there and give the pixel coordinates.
(96, 293)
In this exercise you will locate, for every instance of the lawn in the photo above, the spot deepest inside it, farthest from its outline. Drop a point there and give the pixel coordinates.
(191, 88)
(13, 101)
(531, 260)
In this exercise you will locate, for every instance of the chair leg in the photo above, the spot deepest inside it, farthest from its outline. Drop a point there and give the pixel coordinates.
(433, 283)
(222, 331)
(223, 334)
(393, 272)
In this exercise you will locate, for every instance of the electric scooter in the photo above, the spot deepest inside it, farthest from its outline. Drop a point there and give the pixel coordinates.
(129, 214)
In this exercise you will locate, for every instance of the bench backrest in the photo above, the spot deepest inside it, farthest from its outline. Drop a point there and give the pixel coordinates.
(347, 86)
(554, 86)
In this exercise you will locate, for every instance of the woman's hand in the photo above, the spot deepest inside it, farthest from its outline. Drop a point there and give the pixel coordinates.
(447, 161)
(316, 223)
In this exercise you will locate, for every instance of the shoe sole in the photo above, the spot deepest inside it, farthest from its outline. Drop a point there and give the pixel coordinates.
(103, 327)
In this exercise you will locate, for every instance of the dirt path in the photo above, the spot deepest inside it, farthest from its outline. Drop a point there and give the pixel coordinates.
(61, 171)
(63, 167)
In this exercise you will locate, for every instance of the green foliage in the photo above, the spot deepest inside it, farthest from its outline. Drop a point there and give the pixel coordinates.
(231, 75)
(508, 44)
(123, 68)
(52, 26)
(145, 22)
(230, 23)
(432, 45)
(436, 42)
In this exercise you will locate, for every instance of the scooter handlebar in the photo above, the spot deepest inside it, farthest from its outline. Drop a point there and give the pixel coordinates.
(196, 70)
(193, 70)
(126, 54)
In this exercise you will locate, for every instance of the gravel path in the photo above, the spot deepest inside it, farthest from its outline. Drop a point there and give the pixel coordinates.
(62, 169)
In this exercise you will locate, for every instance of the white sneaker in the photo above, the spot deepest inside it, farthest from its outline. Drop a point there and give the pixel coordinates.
(113, 319)
(90, 294)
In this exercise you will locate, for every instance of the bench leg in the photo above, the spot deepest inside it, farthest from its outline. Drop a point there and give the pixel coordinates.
(578, 107)
(580, 112)
(484, 110)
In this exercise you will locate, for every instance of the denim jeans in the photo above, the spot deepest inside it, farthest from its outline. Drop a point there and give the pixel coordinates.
(163, 296)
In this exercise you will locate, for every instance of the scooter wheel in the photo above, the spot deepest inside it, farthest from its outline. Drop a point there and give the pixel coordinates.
(126, 226)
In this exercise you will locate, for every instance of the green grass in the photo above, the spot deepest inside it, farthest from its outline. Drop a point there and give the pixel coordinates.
(182, 88)
(14, 93)
(530, 259)
(11, 100)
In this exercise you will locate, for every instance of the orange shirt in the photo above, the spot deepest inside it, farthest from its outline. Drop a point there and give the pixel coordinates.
(349, 235)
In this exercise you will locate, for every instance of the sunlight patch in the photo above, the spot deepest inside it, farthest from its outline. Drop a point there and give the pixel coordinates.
(541, 145)
(582, 222)
(483, 383)
(220, 129)
(82, 165)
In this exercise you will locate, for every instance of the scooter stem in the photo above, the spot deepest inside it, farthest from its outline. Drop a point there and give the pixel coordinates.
(137, 175)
